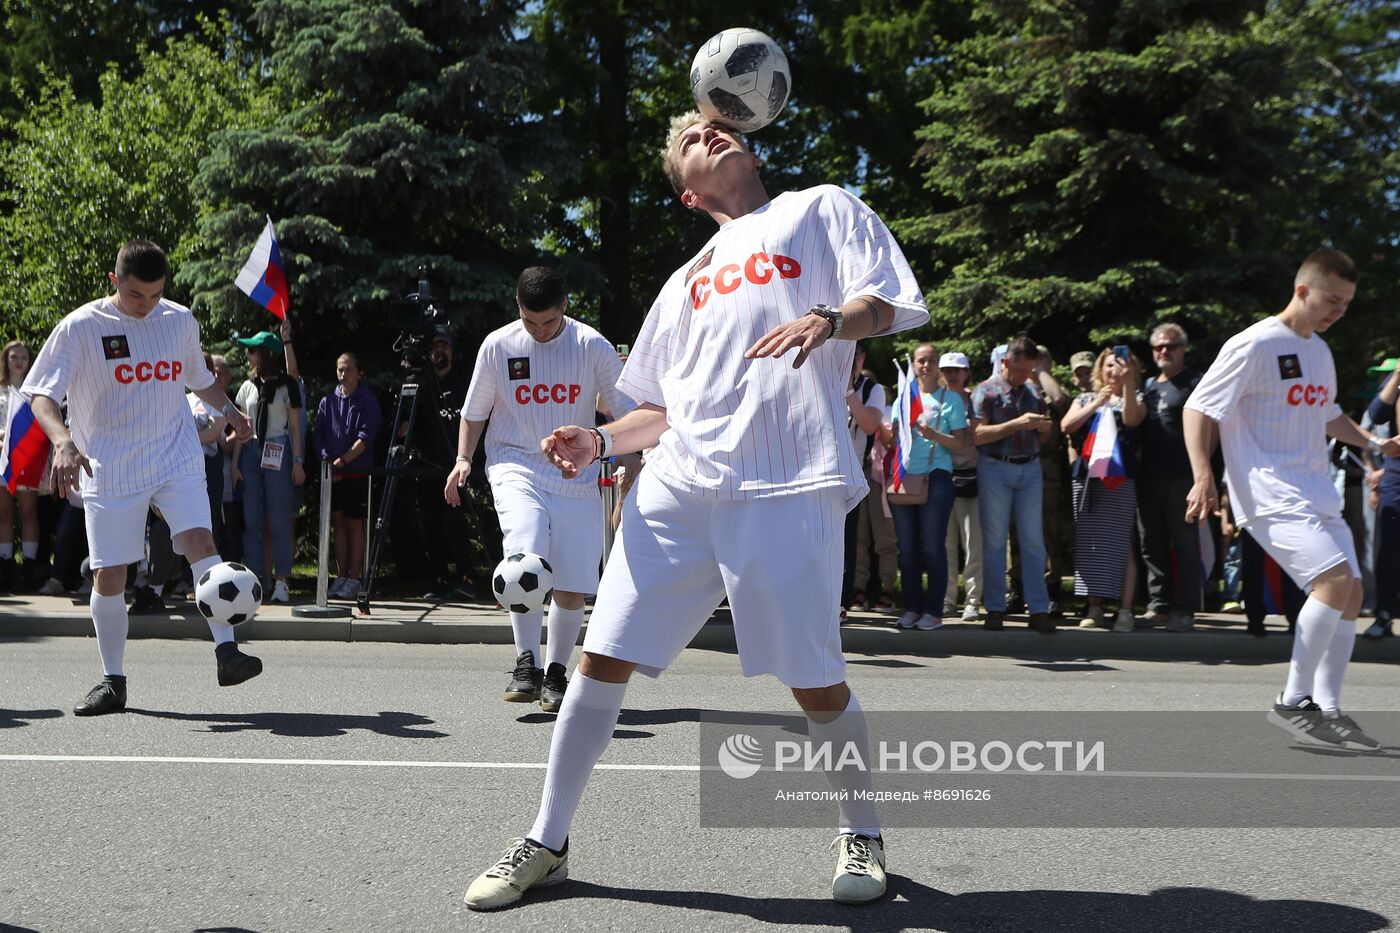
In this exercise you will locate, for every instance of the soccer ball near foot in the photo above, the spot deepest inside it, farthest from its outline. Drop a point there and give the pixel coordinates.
(228, 592)
(523, 582)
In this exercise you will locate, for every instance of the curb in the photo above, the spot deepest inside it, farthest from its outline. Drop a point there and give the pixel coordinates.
(864, 633)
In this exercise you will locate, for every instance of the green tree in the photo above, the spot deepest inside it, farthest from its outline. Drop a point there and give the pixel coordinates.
(1101, 166)
(84, 177)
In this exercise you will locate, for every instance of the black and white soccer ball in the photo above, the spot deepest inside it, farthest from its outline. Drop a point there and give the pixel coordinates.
(523, 582)
(228, 592)
(740, 78)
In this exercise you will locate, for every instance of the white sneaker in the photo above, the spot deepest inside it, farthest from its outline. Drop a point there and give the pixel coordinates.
(279, 593)
(333, 589)
(52, 587)
(970, 613)
(928, 622)
(908, 620)
(525, 864)
(351, 589)
(860, 869)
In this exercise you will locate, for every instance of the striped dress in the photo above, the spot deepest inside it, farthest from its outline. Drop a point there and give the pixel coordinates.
(1105, 519)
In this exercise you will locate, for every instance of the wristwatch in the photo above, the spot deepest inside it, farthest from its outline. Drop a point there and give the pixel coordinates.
(831, 316)
(1375, 445)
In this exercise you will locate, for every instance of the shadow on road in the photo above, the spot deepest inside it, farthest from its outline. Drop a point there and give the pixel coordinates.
(913, 906)
(14, 718)
(795, 724)
(308, 725)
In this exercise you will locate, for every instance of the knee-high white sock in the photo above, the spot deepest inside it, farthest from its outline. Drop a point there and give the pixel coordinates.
(222, 631)
(585, 727)
(525, 626)
(857, 816)
(1327, 682)
(564, 625)
(1316, 623)
(30, 549)
(110, 623)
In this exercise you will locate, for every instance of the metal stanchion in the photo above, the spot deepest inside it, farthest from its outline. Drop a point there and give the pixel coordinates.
(322, 610)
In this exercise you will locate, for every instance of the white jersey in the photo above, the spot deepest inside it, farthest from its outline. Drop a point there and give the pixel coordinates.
(527, 389)
(1273, 393)
(743, 429)
(125, 379)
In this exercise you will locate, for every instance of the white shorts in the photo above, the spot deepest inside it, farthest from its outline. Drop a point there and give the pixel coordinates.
(116, 525)
(1305, 546)
(566, 531)
(778, 560)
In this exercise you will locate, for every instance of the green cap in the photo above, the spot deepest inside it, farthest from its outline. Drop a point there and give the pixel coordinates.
(267, 340)
(1385, 366)
(1082, 358)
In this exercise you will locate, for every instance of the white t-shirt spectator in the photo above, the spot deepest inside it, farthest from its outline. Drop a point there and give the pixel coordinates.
(1273, 394)
(125, 380)
(744, 429)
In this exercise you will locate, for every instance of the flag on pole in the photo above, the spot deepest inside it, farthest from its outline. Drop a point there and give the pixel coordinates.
(26, 447)
(262, 278)
(908, 406)
(1102, 450)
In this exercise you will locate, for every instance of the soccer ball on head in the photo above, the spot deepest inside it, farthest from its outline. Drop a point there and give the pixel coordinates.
(522, 582)
(228, 592)
(740, 78)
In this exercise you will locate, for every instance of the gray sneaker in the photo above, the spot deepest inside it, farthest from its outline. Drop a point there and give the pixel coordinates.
(1352, 736)
(1305, 721)
(860, 869)
(525, 864)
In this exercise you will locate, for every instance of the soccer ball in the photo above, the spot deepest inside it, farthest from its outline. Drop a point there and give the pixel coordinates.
(522, 582)
(228, 592)
(740, 78)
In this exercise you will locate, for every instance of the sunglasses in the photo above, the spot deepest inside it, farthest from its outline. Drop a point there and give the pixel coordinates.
(1167, 346)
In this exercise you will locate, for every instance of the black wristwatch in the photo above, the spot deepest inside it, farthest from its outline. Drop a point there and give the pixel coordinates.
(831, 316)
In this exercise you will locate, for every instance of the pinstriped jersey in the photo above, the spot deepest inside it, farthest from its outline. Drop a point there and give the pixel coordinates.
(125, 379)
(743, 429)
(1273, 393)
(527, 389)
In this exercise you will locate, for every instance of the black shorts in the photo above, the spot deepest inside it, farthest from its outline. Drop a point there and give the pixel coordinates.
(348, 496)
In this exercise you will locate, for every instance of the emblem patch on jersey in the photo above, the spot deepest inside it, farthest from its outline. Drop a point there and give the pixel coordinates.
(116, 348)
(700, 263)
(519, 367)
(1289, 367)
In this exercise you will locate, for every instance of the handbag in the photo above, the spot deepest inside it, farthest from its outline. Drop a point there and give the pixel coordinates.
(914, 486)
(965, 483)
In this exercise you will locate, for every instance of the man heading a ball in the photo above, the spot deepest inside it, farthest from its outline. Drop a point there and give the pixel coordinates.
(539, 371)
(745, 495)
(124, 363)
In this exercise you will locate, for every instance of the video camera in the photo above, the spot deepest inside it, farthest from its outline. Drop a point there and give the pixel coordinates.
(415, 342)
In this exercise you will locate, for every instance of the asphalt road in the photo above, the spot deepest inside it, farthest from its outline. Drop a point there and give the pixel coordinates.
(333, 828)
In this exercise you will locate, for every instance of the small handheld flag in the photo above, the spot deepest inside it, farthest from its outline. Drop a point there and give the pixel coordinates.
(1104, 453)
(262, 278)
(908, 406)
(26, 447)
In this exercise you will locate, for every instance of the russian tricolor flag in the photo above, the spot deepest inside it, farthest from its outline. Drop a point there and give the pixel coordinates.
(262, 278)
(908, 406)
(1102, 450)
(26, 447)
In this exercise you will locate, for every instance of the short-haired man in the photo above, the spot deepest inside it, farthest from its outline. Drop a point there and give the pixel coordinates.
(1011, 425)
(124, 363)
(541, 370)
(1270, 400)
(745, 493)
(1164, 479)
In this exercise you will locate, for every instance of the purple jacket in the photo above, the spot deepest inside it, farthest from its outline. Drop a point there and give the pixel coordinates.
(339, 420)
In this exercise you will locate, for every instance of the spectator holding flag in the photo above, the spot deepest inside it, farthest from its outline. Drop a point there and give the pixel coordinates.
(25, 452)
(931, 422)
(1103, 425)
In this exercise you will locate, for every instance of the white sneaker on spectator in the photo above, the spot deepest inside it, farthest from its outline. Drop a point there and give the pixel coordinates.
(970, 613)
(928, 622)
(908, 620)
(351, 588)
(279, 593)
(52, 587)
(1124, 621)
(1093, 618)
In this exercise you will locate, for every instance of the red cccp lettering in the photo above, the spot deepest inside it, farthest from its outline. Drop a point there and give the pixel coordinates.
(542, 393)
(758, 269)
(160, 371)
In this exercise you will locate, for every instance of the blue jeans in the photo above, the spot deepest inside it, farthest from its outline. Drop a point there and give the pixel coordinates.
(1005, 490)
(1231, 593)
(921, 531)
(267, 493)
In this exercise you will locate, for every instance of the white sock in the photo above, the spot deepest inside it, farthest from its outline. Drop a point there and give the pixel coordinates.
(110, 623)
(7, 551)
(857, 815)
(525, 626)
(564, 625)
(30, 549)
(1316, 623)
(585, 727)
(222, 631)
(1327, 682)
